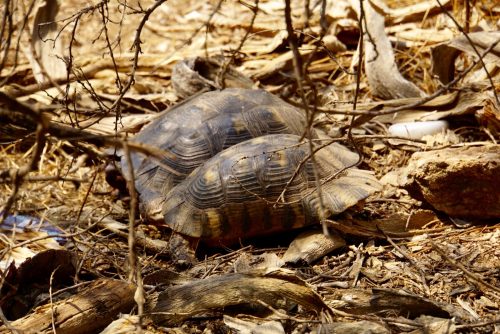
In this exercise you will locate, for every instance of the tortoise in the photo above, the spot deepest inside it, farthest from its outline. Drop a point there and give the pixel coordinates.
(192, 132)
(261, 186)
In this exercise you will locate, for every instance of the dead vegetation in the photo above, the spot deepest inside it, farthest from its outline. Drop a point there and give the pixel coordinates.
(78, 79)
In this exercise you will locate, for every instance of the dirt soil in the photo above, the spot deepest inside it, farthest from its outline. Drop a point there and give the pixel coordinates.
(405, 267)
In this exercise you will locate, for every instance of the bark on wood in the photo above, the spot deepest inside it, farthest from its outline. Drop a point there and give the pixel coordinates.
(312, 245)
(384, 78)
(392, 301)
(193, 75)
(181, 302)
(46, 53)
(94, 307)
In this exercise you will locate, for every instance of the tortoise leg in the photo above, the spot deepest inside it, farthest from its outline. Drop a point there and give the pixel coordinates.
(182, 249)
(116, 180)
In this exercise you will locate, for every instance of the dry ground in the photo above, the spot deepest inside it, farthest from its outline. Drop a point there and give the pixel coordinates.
(452, 263)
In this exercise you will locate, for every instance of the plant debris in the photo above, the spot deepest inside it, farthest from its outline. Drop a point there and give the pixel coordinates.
(79, 79)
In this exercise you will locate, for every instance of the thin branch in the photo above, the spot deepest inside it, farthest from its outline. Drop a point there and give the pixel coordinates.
(220, 76)
(299, 77)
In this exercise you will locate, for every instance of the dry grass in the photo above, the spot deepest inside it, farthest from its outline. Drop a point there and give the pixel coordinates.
(69, 190)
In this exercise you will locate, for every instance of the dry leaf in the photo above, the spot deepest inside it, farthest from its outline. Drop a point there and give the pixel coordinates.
(253, 264)
(355, 327)
(253, 327)
(444, 55)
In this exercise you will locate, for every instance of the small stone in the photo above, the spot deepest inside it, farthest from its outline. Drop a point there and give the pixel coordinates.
(461, 182)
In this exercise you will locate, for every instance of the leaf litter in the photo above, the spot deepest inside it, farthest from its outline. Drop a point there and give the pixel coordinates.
(405, 266)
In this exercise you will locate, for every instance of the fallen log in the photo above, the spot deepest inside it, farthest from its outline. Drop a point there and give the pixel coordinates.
(92, 308)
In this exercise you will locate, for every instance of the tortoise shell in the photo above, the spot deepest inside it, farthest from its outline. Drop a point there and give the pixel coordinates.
(236, 193)
(196, 130)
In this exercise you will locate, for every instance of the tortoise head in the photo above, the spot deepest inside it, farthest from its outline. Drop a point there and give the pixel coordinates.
(151, 208)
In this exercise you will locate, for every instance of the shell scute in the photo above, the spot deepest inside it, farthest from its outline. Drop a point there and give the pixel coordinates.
(253, 175)
(198, 129)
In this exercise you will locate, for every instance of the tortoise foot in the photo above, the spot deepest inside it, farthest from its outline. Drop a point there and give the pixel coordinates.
(182, 251)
